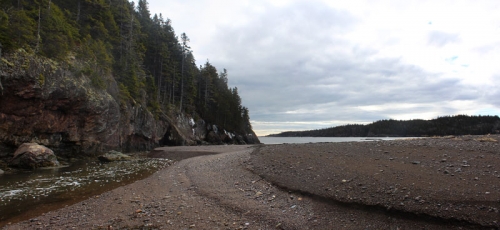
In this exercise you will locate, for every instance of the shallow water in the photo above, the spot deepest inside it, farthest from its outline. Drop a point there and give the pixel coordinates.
(31, 193)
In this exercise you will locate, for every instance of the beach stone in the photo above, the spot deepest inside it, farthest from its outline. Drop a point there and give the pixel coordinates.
(113, 156)
(33, 155)
(1, 172)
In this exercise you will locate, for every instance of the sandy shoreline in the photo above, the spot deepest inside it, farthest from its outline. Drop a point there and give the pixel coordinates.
(443, 183)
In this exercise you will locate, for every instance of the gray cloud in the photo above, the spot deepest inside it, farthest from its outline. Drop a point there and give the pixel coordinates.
(439, 38)
(294, 60)
(488, 48)
(492, 94)
(295, 69)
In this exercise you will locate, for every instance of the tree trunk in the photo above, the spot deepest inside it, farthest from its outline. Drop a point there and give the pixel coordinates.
(78, 12)
(173, 88)
(182, 81)
(130, 41)
(206, 90)
(159, 81)
(200, 76)
(37, 47)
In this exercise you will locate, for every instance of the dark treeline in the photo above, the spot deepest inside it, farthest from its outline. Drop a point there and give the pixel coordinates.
(441, 126)
(105, 39)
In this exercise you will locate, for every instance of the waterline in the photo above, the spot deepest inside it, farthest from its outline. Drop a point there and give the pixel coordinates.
(27, 194)
(299, 140)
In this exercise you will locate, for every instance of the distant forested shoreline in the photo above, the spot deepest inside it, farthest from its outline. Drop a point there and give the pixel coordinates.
(441, 126)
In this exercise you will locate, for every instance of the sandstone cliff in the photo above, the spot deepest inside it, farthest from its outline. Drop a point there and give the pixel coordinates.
(53, 104)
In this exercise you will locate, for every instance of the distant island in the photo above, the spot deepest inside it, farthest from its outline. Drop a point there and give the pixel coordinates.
(441, 126)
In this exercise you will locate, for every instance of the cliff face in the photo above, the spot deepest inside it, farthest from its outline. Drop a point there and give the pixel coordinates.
(46, 103)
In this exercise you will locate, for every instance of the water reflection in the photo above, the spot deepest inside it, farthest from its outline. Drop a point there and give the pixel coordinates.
(45, 189)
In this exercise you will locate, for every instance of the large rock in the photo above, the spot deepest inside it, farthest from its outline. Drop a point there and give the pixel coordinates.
(114, 156)
(32, 155)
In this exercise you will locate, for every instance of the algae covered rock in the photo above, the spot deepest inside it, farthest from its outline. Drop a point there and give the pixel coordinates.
(114, 156)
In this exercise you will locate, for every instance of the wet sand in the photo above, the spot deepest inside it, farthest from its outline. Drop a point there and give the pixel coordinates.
(433, 183)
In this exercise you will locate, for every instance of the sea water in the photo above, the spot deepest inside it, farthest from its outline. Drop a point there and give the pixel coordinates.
(299, 140)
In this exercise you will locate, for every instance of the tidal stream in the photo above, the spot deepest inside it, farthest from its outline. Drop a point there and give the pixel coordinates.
(28, 194)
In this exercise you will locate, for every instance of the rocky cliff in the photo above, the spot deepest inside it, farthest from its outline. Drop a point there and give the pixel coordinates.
(54, 104)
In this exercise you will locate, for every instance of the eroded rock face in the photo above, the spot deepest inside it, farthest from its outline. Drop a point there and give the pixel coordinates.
(33, 155)
(213, 137)
(200, 132)
(48, 105)
(251, 138)
(43, 102)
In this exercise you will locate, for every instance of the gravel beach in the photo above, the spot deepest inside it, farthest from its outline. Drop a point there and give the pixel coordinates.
(431, 183)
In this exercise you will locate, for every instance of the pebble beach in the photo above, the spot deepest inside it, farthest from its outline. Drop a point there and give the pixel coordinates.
(428, 183)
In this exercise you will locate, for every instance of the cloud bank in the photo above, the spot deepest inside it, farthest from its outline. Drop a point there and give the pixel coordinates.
(302, 65)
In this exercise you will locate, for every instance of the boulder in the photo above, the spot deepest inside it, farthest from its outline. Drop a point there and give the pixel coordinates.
(114, 156)
(33, 155)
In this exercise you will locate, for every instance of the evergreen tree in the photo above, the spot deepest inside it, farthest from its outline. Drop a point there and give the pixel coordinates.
(118, 39)
(185, 51)
(21, 29)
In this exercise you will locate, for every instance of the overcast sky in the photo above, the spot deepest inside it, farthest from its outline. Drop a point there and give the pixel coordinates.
(302, 65)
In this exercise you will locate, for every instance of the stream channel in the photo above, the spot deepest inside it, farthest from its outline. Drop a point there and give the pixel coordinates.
(27, 194)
